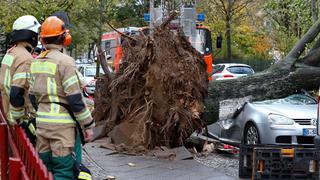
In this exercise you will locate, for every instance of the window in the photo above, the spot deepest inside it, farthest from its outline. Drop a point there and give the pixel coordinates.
(107, 46)
(202, 41)
(240, 70)
(91, 71)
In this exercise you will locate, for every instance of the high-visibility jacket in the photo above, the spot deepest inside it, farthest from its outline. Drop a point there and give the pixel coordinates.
(54, 79)
(14, 84)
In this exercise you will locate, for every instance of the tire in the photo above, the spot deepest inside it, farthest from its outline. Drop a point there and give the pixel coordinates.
(251, 135)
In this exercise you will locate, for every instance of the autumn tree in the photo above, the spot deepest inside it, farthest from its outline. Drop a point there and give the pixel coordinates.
(230, 11)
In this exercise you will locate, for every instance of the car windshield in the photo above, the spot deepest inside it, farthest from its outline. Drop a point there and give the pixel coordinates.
(240, 70)
(91, 71)
(295, 99)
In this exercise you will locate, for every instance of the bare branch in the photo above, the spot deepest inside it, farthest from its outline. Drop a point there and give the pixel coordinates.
(218, 7)
(103, 62)
(223, 6)
(170, 18)
(239, 7)
(131, 38)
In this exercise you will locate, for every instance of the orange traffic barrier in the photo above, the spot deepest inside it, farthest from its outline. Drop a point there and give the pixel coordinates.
(23, 161)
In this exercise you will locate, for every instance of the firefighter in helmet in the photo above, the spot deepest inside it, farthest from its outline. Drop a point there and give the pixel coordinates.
(56, 94)
(14, 71)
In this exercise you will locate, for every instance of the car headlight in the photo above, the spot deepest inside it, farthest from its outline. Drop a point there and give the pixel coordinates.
(279, 120)
(226, 124)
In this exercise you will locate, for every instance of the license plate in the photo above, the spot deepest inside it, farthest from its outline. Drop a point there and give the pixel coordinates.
(309, 132)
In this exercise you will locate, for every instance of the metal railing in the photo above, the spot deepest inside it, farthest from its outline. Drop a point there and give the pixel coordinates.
(18, 158)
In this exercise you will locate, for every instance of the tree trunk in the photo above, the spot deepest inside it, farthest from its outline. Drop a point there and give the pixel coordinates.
(89, 51)
(283, 78)
(228, 37)
(267, 85)
(228, 28)
(314, 10)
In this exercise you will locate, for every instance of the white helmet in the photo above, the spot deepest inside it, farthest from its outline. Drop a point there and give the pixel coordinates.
(26, 22)
(25, 28)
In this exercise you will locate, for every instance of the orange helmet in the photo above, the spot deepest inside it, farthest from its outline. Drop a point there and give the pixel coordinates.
(53, 26)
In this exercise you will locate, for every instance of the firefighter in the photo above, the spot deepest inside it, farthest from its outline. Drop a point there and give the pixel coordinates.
(15, 70)
(56, 94)
(77, 148)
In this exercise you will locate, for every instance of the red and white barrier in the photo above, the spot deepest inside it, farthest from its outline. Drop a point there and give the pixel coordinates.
(23, 161)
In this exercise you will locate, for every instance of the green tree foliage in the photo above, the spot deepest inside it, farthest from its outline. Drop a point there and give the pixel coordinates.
(130, 13)
(288, 21)
(244, 23)
(87, 17)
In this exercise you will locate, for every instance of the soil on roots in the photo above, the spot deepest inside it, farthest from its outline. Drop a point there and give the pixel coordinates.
(157, 96)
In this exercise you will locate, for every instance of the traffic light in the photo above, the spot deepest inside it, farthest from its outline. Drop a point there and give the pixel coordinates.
(219, 41)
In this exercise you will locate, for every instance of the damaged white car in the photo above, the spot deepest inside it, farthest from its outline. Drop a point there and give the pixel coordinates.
(290, 120)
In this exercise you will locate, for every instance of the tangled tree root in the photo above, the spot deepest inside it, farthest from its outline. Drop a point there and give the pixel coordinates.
(156, 97)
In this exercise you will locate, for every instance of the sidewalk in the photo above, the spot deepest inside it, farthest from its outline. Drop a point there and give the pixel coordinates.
(103, 162)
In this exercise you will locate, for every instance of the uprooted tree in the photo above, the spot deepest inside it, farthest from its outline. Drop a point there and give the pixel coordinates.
(157, 96)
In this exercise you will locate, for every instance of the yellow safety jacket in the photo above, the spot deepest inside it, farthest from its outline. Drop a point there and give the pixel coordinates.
(14, 74)
(54, 79)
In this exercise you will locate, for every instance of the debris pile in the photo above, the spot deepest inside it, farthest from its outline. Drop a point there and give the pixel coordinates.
(157, 96)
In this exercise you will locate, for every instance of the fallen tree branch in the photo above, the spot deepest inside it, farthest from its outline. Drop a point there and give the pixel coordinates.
(169, 19)
(300, 46)
(103, 62)
(122, 34)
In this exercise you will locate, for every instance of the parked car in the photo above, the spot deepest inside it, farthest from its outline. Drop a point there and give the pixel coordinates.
(290, 120)
(230, 71)
(89, 72)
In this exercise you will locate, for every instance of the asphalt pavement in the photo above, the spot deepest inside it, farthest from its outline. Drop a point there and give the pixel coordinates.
(106, 163)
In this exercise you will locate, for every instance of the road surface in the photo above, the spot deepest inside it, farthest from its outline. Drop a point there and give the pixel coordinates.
(104, 162)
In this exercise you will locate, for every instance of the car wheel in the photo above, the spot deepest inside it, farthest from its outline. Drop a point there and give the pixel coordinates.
(251, 136)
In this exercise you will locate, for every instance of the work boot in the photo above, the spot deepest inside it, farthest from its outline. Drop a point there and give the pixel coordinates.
(46, 158)
(78, 148)
(62, 167)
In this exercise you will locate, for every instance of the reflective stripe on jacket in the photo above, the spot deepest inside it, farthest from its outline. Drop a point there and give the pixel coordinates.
(14, 75)
(54, 79)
